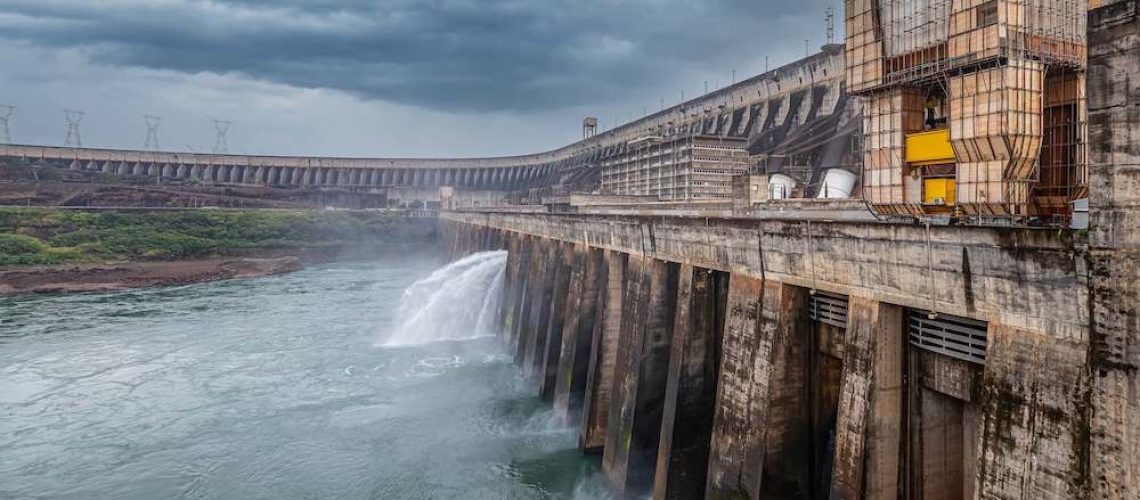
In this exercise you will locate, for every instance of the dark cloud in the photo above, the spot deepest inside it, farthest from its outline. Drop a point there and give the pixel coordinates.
(457, 55)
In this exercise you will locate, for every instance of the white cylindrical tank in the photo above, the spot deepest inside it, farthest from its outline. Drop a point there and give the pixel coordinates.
(837, 183)
(780, 187)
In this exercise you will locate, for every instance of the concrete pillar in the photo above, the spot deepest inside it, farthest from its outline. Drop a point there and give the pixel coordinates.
(753, 437)
(586, 281)
(1114, 241)
(535, 272)
(1033, 414)
(690, 393)
(552, 351)
(505, 316)
(603, 355)
(633, 432)
(520, 287)
(868, 434)
(540, 311)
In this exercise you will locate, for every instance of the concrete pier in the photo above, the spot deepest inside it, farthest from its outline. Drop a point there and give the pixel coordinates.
(690, 391)
(603, 356)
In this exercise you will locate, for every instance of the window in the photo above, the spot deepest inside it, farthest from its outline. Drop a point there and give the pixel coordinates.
(988, 14)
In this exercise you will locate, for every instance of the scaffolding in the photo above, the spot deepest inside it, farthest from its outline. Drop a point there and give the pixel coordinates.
(995, 129)
(1011, 74)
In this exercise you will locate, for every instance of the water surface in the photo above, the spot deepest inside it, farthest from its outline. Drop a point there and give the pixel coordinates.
(272, 388)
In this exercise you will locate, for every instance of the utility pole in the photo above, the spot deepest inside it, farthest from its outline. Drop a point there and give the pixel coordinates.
(221, 144)
(152, 123)
(73, 139)
(5, 114)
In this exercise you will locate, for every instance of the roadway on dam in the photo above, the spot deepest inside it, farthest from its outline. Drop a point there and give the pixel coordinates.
(287, 387)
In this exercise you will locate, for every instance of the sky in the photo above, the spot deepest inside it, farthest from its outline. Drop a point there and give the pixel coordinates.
(382, 78)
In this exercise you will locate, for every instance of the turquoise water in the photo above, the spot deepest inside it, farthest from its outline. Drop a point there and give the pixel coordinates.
(273, 388)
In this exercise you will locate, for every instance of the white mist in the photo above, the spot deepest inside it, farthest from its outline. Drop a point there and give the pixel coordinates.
(457, 302)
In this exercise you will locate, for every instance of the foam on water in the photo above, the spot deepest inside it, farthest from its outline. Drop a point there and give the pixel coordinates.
(457, 302)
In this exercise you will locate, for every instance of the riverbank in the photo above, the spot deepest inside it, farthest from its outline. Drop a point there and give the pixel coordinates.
(58, 251)
(127, 275)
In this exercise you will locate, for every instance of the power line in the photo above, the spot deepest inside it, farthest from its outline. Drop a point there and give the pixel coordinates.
(5, 114)
(73, 138)
(221, 144)
(152, 123)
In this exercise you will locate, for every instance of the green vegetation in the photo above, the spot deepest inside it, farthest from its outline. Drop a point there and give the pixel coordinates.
(40, 237)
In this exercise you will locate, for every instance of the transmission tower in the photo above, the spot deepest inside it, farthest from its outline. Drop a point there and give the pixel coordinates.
(5, 113)
(830, 25)
(73, 138)
(220, 143)
(152, 123)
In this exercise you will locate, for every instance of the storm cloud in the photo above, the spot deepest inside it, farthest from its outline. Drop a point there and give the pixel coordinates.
(453, 55)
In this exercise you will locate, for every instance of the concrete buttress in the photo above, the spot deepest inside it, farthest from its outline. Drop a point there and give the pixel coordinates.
(869, 428)
(690, 393)
(582, 305)
(634, 428)
(603, 357)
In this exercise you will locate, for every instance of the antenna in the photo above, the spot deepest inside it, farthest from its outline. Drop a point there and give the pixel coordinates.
(220, 143)
(5, 113)
(152, 123)
(830, 25)
(807, 47)
(73, 139)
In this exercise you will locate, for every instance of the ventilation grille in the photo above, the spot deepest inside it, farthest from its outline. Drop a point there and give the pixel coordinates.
(829, 308)
(959, 338)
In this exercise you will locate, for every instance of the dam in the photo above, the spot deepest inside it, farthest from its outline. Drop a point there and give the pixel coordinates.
(712, 355)
(902, 268)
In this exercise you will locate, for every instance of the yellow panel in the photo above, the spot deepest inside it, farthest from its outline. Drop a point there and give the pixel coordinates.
(928, 148)
(939, 189)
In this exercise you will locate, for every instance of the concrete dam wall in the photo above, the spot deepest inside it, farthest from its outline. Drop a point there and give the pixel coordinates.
(797, 359)
(722, 357)
(783, 111)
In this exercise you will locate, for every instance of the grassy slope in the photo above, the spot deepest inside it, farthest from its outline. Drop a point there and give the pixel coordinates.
(42, 237)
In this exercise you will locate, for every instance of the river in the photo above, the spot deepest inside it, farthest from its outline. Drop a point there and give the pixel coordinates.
(367, 380)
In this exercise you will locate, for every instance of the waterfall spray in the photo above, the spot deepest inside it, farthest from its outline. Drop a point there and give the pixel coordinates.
(456, 302)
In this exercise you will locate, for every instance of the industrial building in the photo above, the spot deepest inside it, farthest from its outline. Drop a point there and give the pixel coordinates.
(975, 108)
(682, 167)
